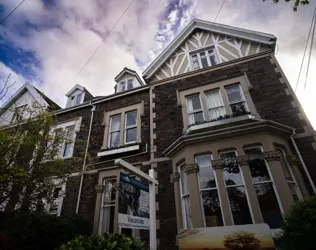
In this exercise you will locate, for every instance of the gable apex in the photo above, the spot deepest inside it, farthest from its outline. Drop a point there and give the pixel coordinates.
(221, 29)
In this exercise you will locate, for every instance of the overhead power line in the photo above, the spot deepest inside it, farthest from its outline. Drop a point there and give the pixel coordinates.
(305, 49)
(2, 21)
(219, 10)
(104, 38)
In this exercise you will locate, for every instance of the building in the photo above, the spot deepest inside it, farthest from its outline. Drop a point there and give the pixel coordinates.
(218, 122)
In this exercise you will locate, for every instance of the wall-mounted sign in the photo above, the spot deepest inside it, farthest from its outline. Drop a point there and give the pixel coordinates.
(133, 203)
(250, 237)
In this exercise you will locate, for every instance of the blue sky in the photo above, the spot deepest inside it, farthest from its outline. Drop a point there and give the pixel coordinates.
(46, 42)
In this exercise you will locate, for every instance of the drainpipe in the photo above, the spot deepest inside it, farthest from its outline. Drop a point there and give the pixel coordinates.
(302, 162)
(85, 157)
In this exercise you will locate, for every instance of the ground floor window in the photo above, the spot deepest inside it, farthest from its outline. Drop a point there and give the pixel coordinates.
(265, 188)
(209, 192)
(187, 219)
(108, 207)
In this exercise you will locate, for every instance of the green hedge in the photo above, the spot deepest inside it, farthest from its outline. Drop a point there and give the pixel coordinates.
(26, 231)
(103, 242)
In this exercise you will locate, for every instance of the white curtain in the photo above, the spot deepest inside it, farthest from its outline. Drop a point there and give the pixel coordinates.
(106, 208)
(190, 109)
(116, 123)
(186, 204)
(215, 105)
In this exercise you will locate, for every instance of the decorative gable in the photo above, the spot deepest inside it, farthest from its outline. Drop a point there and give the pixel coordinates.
(203, 44)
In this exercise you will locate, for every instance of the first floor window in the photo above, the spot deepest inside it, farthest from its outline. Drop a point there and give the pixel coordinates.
(130, 127)
(203, 59)
(215, 104)
(289, 176)
(107, 207)
(187, 218)
(236, 100)
(264, 186)
(194, 108)
(115, 131)
(235, 189)
(209, 192)
(57, 199)
(68, 144)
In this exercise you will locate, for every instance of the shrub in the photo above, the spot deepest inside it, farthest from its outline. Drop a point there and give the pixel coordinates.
(105, 241)
(299, 227)
(26, 231)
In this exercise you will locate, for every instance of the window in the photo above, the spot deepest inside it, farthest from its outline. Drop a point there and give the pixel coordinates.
(19, 113)
(108, 207)
(130, 127)
(53, 209)
(215, 104)
(289, 176)
(69, 141)
(203, 59)
(235, 189)
(78, 99)
(127, 84)
(236, 100)
(75, 100)
(209, 191)
(194, 108)
(264, 187)
(115, 131)
(187, 218)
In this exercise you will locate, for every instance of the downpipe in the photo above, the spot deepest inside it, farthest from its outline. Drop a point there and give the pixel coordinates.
(85, 157)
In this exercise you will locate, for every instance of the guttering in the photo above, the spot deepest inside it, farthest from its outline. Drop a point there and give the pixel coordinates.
(85, 157)
(302, 162)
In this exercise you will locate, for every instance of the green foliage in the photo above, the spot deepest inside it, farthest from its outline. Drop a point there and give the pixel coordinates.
(299, 226)
(101, 242)
(297, 3)
(26, 231)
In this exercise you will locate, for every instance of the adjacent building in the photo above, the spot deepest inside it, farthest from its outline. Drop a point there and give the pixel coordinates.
(217, 120)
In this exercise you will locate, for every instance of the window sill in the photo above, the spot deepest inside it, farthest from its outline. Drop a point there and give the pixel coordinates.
(119, 150)
(218, 122)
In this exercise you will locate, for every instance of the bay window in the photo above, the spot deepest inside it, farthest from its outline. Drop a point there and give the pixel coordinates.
(187, 218)
(289, 176)
(264, 186)
(235, 187)
(209, 191)
(236, 100)
(195, 111)
(203, 59)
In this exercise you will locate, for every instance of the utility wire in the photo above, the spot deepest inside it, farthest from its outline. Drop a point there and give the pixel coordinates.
(305, 49)
(310, 50)
(12, 12)
(219, 10)
(104, 38)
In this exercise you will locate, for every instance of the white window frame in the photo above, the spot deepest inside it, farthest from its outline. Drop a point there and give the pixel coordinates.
(222, 101)
(196, 110)
(110, 129)
(60, 198)
(207, 189)
(73, 102)
(113, 181)
(294, 182)
(237, 185)
(268, 181)
(130, 127)
(241, 95)
(186, 224)
(124, 84)
(64, 126)
(207, 55)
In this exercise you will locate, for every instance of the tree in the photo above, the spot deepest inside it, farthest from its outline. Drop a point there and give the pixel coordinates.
(299, 226)
(297, 3)
(242, 240)
(29, 156)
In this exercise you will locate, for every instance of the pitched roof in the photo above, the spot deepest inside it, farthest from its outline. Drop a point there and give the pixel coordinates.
(78, 86)
(38, 96)
(245, 34)
(129, 71)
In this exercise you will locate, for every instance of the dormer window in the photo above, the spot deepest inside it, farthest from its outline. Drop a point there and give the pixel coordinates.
(75, 100)
(127, 84)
